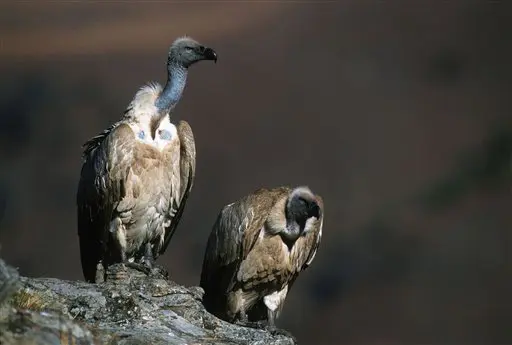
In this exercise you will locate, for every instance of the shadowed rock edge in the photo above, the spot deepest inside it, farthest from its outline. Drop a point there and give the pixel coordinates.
(140, 310)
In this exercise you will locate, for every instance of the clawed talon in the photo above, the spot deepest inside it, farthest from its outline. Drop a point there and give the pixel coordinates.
(121, 272)
(252, 324)
(117, 272)
(148, 266)
(245, 323)
(139, 267)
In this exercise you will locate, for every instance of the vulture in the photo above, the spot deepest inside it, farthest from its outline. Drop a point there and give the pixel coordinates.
(255, 251)
(136, 175)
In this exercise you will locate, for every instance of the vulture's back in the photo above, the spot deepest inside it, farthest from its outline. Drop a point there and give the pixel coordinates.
(232, 235)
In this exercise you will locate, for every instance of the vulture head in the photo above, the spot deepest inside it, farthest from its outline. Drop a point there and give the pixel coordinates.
(183, 53)
(301, 206)
(186, 51)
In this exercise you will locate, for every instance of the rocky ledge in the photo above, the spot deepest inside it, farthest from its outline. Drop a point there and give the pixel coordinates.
(138, 310)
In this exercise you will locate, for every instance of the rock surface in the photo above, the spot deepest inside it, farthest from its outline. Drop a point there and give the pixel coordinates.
(139, 310)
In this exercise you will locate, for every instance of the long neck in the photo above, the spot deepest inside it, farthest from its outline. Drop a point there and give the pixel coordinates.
(171, 94)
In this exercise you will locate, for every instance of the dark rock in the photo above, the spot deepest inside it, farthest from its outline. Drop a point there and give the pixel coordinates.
(139, 310)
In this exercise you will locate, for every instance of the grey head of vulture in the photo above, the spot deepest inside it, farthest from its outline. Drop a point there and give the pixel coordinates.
(255, 251)
(137, 174)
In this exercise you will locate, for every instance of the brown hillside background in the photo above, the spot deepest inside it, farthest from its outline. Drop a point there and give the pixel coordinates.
(397, 113)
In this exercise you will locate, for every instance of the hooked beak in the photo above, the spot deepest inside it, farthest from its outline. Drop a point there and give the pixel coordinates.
(315, 210)
(209, 54)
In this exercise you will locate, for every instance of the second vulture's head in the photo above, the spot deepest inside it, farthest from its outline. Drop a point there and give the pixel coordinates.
(186, 51)
(301, 206)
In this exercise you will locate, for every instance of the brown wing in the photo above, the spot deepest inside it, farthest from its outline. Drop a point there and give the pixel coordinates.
(187, 175)
(233, 235)
(108, 158)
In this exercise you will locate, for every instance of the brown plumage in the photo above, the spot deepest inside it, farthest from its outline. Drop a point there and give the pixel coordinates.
(137, 175)
(132, 193)
(257, 248)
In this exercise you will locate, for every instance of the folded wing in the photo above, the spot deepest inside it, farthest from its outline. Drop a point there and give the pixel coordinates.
(187, 174)
(101, 188)
(233, 235)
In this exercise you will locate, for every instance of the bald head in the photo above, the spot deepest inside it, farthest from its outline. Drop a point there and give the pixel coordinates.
(185, 51)
(302, 205)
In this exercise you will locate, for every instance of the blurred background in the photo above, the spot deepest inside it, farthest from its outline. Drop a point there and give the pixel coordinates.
(398, 114)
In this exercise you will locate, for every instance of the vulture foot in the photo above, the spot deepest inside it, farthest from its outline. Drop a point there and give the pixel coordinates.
(139, 267)
(117, 272)
(251, 324)
(121, 271)
(148, 260)
(154, 271)
(272, 329)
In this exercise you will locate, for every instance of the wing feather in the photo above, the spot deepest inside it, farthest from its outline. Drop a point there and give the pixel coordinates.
(108, 158)
(187, 175)
(315, 240)
(233, 235)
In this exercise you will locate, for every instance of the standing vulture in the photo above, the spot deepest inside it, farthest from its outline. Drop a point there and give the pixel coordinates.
(257, 248)
(137, 174)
